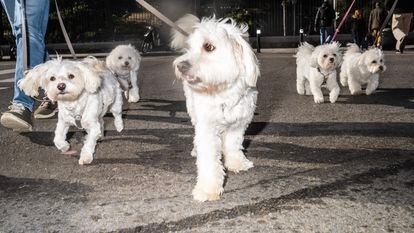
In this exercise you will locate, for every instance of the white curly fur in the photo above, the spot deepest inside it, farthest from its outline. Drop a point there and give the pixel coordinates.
(314, 67)
(219, 72)
(84, 92)
(362, 68)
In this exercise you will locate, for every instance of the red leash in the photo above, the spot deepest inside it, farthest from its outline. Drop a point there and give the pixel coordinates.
(343, 20)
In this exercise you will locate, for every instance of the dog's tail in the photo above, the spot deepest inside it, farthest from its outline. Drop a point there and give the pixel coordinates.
(352, 49)
(187, 23)
(304, 50)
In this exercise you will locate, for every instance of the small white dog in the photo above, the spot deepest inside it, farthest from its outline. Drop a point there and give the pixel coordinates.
(219, 71)
(317, 67)
(124, 62)
(83, 92)
(362, 68)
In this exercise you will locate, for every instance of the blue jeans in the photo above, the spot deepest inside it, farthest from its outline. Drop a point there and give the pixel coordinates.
(329, 32)
(37, 13)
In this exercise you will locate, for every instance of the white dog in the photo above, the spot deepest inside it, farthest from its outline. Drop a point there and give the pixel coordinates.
(84, 94)
(362, 68)
(124, 62)
(219, 72)
(317, 67)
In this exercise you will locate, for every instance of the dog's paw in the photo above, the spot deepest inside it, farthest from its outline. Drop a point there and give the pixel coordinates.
(203, 195)
(369, 92)
(238, 164)
(119, 125)
(85, 159)
(333, 98)
(133, 98)
(356, 92)
(63, 146)
(318, 100)
(194, 152)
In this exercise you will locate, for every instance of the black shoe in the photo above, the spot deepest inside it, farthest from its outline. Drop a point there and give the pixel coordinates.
(46, 110)
(18, 118)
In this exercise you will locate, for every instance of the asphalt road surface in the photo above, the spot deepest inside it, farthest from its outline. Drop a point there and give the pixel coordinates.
(343, 167)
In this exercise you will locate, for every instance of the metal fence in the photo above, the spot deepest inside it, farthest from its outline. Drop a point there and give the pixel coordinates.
(110, 20)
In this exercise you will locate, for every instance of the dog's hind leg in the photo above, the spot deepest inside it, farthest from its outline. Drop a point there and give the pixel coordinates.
(307, 88)
(354, 87)
(300, 84)
(343, 76)
(234, 158)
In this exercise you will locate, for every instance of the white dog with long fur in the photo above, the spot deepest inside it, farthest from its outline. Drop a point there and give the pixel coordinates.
(362, 68)
(316, 67)
(124, 62)
(84, 93)
(219, 72)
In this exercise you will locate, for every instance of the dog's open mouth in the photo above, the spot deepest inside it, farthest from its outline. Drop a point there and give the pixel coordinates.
(191, 78)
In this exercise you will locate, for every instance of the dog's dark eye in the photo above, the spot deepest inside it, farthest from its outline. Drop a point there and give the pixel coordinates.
(120, 57)
(334, 54)
(374, 62)
(381, 60)
(129, 58)
(71, 76)
(325, 55)
(209, 47)
(52, 78)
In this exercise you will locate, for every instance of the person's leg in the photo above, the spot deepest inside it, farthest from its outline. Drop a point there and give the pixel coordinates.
(396, 30)
(329, 32)
(322, 34)
(37, 12)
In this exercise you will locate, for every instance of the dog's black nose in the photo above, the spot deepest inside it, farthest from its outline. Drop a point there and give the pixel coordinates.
(126, 63)
(184, 66)
(61, 86)
(381, 68)
(331, 59)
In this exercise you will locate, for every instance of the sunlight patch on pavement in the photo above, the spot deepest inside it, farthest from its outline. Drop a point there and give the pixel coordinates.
(8, 80)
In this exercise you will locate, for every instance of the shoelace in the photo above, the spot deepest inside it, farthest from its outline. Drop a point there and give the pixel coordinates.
(16, 107)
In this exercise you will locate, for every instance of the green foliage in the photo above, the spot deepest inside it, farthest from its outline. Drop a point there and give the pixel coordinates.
(241, 16)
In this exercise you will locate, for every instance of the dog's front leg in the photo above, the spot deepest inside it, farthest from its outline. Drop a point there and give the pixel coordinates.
(316, 91)
(93, 130)
(372, 85)
(133, 93)
(333, 87)
(60, 136)
(210, 173)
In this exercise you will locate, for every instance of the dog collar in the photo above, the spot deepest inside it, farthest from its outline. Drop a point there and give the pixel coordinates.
(325, 76)
(123, 80)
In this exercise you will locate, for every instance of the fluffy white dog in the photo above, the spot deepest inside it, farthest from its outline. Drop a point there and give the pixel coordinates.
(316, 67)
(124, 62)
(362, 68)
(219, 72)
(84, 93)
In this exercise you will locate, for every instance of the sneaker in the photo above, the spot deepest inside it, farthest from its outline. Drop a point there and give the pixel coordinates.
(17, 118)
(46, 110)
(397, 51)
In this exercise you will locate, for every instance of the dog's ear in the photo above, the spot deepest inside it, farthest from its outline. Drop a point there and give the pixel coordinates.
(314, 59)
(137, 58)
(92, 79)
(32, 80)
(248, 59)
(110, 63)
(361, 59)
